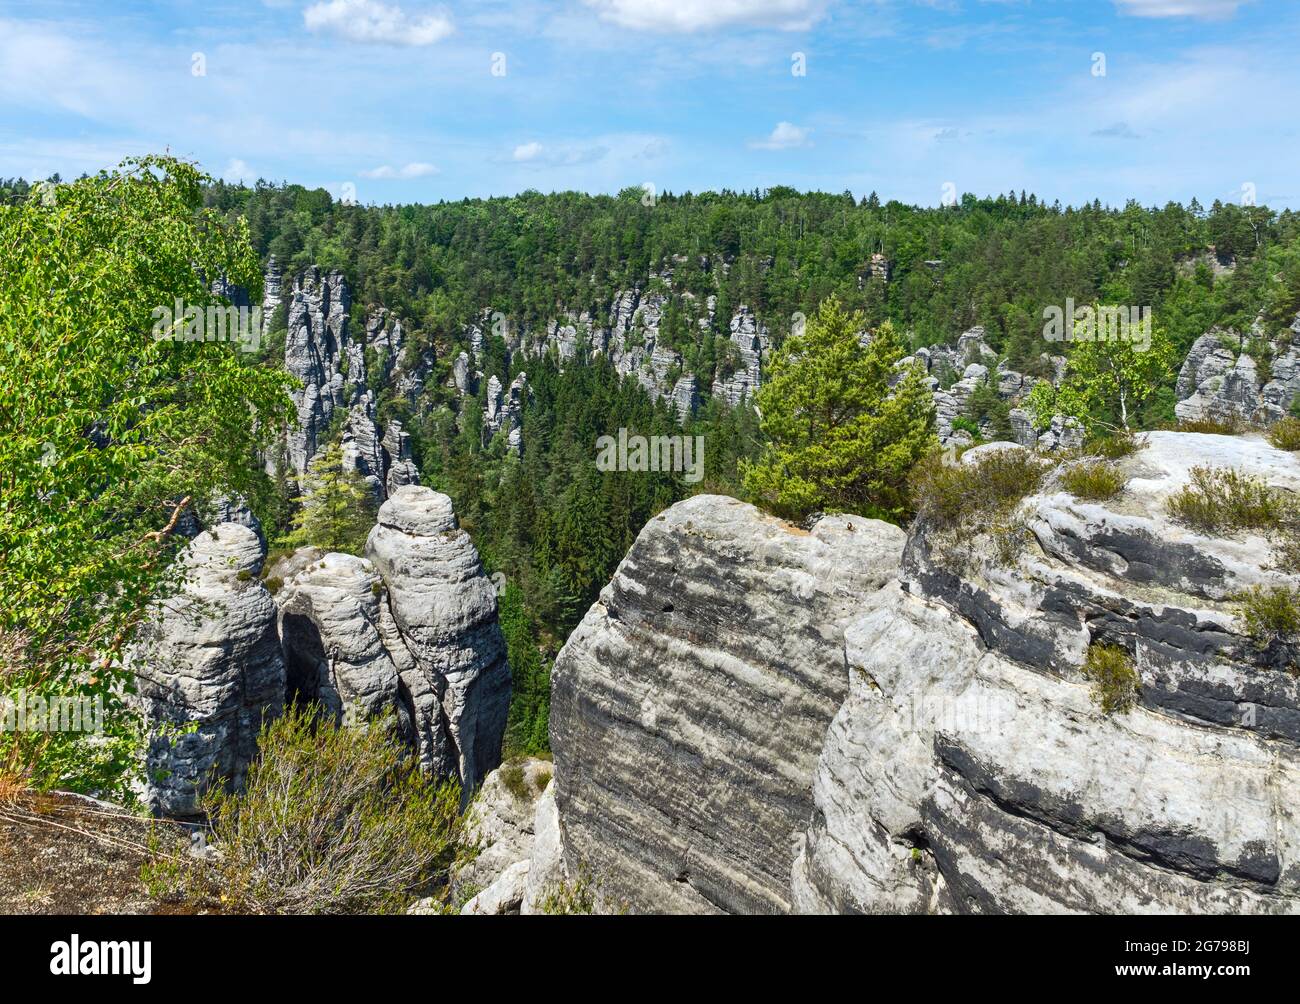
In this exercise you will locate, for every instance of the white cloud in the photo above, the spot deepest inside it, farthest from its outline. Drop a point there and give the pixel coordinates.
(239, 171)
(1205, 9)
(685, 16)
(371, 21)
(786, 136)
(527, 151)
(404, 173)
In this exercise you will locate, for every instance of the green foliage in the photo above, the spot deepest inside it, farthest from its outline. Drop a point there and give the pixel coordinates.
(984, 405)
(1285, 434)
(955, 496)
(332, 821)
(1270, 613)
(107, 434)
(1222, 499)
(527, 728)
(1113, 379)
(840, 438)
(1092, 481)
(1115, 679)
(336, 510)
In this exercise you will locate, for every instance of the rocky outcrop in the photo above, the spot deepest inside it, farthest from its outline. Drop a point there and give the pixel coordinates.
(506, 411)
(749, 342)
(208, 668)
(1220, 381)
(329, 614)
(970, 769)
(500, 829)
(330, 360)
(439, 626)
(688, 707)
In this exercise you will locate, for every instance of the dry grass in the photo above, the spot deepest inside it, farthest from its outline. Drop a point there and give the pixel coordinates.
(1285, 434)
(1222, 499)
(948, 496)
(332, 821)
(1226, 426)
(1092, 481)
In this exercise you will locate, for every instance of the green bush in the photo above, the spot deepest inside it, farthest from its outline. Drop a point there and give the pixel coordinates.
(1285, 434)
(1092, 481)
(1115, 679)
(1270, 613)
(1228, 425)
(1222, 499)
(331, 821)
(1116, 446)
(948, 496)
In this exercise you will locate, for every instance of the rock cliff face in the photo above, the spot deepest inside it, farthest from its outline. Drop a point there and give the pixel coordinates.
(330, 359)
(208, 659)
(688, 707)
(408, 632)
(970, 771)
(967, 766)
(1220, 380)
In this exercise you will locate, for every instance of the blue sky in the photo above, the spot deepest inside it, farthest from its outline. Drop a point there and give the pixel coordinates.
(399, 99)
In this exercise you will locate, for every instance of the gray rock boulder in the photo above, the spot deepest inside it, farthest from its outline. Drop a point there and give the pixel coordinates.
(440, 627)
(688, 707)
(208, 669)
(334, 654)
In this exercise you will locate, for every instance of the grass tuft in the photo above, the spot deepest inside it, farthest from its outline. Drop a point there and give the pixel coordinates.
(1285, 434)
(1221, 499)
(1092, 481)
(1229, 425)
(1114, 678)
(949, 496)
(1270, 613)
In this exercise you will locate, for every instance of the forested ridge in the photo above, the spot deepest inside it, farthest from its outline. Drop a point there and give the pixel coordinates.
(552, 525)
(547, 521)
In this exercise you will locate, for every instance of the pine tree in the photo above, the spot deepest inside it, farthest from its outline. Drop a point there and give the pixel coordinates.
(336, 508)
(839, 437)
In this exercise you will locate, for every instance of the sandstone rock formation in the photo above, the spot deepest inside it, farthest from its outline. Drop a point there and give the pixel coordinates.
(1220, 380)
(688, 707)
(501, 828)
(970, 770)
(329, 613)
(439, 625)
(208, 668)
(330, 359)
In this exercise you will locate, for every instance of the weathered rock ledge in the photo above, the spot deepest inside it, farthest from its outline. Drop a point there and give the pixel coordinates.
(688, 707)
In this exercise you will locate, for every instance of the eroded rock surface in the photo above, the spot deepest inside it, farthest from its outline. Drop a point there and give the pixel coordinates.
(970, 769)
(208, 669)
(439, 625)
(690, 704)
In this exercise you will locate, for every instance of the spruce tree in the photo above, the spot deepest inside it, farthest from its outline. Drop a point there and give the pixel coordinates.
(336, 508)
(840, 438)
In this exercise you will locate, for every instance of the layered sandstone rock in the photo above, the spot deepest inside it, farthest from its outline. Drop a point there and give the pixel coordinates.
(208, 669)
(439, 625)
(689, 705)
(970, 769)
